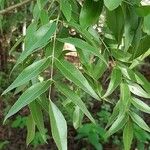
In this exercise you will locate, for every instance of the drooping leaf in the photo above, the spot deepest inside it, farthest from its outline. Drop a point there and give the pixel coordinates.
(131, 24)
(139, 121)
(128, 135)
(114, 81)
(140, 105)
(58, 126)
(75, 99)
(66, 8)
(41, 38)
(29, 73)
(114, 115)
(90, 12)
(115, 19)
(125, 96)
(30, 129)
(137, 90)
(74, 75)
(112, 4)
(38, 118)
(84, 46)
(118, 124)
(77, 117)
(28, 96)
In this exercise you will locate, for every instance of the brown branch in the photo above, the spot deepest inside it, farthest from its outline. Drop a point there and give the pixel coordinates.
(5, 11)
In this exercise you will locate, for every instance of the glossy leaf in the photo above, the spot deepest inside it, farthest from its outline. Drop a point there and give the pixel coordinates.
(137, 90)
(66, 8)
(128, 135)
(30, 129)
(125, 96)
(114, 81)
(28, 96)
(84, 46)
(143, 10)
(74, 75)
(139, 121)
(140, 105)
(90, 12)
(58, 126)
(75, 99)
(112, 4)
(118, 124)
(41, 38)
(28, 73)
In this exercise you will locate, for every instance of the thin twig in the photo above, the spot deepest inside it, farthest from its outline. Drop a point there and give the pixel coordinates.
(53, 56)
(6, 10)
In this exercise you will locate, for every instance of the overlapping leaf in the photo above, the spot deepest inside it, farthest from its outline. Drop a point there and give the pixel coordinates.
(74, 75)
(29, 73)
(28, 96)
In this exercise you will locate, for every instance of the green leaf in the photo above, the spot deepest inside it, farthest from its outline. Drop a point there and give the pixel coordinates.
(28, 73)
(114, 81)
(75, 99)
(131, 25)
(139, 121)
(58, 126)
(118, 124)
(142, 11)
(140, 105)
(112, 4)
(83, 46)
(114, 115)
(41, 38)
(143, 46)
(125, 96)
(115, 19)
(90, 13)
(66, 8)
(28, 96)
(38, 118)
(77, 117)
(128, 135)
(146, 24)
(137, 90)
(74, 75)
(30, 129)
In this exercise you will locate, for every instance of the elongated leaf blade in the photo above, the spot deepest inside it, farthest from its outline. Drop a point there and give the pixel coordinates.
(140, 105)
(28, 96)
(90, 12)
(58, 126)
(42, 35)
(137, 90)
(38, 118)
(139, 121)
(29, 73)
(128, 135)
(75, 99)
(66, 8)
(30, 129)
(125, 96)
(114, 81)
(118, 124)
(74, 75)
(84, 46)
